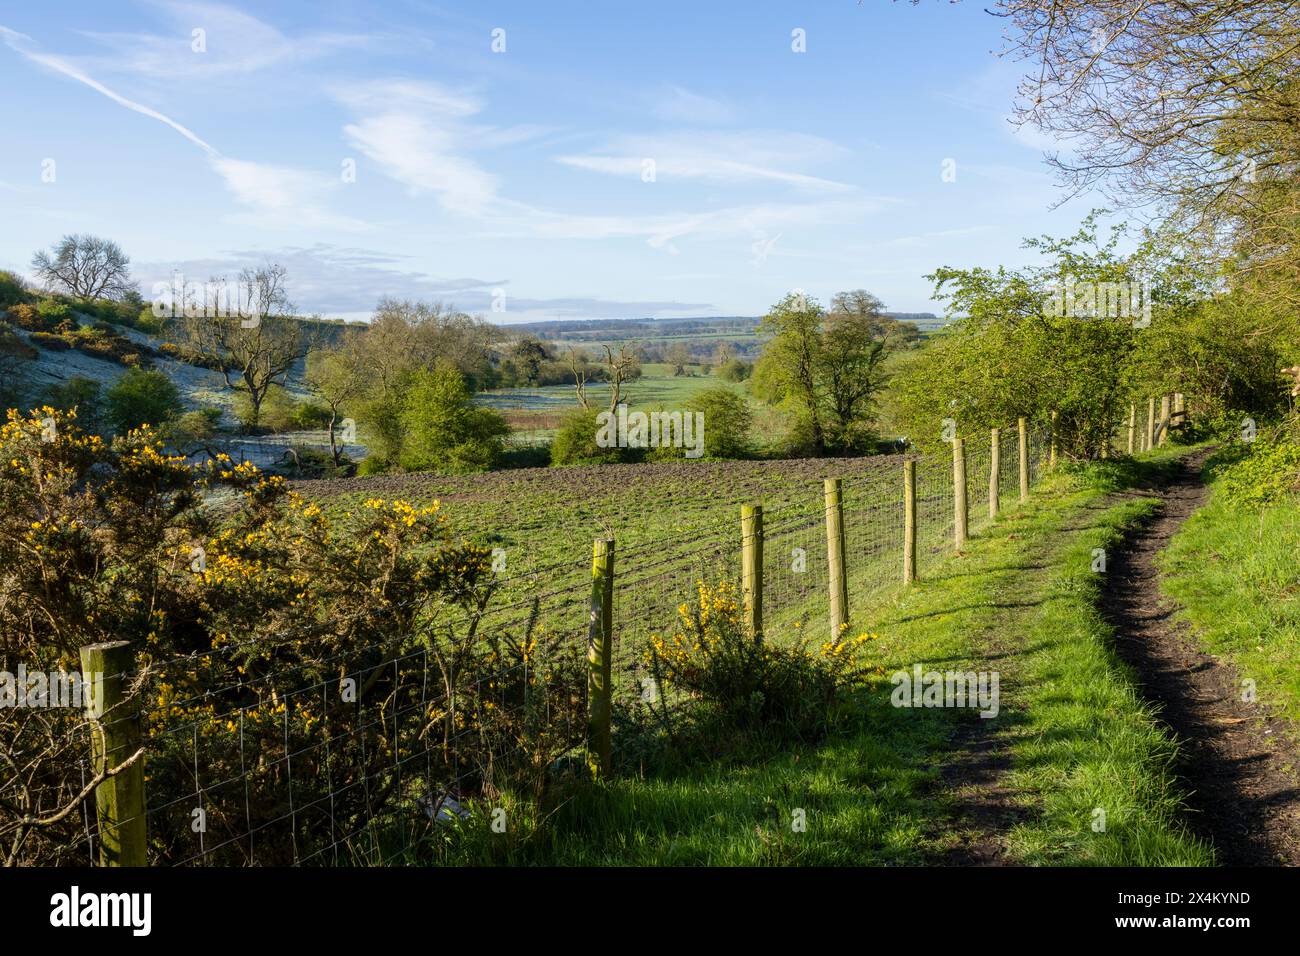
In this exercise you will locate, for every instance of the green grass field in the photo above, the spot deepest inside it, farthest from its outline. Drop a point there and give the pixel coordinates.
(885, 786)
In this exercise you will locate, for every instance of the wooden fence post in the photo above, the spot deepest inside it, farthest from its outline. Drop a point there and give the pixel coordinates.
(995, 468)
(1024, 459)
(835, 546)
(1051, 454)
(909, 521)
(1132, 425)
(1151, 425)
(600, 631)
(1164, 419)
(119, 800)
(960, 506)
(751, 567)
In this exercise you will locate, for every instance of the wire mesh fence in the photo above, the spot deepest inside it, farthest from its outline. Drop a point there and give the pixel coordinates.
(273, 755)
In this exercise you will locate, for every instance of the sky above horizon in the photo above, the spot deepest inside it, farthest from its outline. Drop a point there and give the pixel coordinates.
(527, 161)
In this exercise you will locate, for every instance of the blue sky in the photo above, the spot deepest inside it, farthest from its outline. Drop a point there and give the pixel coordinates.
(616, 160)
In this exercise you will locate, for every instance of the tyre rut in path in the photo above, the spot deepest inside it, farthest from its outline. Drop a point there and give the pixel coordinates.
(1237, 764)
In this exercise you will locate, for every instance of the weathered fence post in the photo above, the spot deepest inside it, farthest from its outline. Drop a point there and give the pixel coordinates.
(751, 567)
(1132, 425)
(600, 631)
(1164, 419)
(960, 508)
(1024, 459)
(835, 546)
(119, 800)
(909, 521)
(1180, 406)
(1151, 425)
(995, 467)
(1051, 454)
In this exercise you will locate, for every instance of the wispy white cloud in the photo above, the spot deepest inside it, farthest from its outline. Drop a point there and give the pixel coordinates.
(674, 104)
(726, 157)
(416, 132)
(274, 195)
(234, 43)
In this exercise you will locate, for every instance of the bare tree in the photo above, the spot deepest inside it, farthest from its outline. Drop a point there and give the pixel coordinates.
(256, 350)
(581, 369)
(86, 267)
(619, 368)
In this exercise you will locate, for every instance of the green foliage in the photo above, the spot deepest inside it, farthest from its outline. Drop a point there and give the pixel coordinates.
(443, 429)
(139, 398)
(13, 290)
(1010, 356)
(735, 370)
(13, 346)
(53, 311)
(1260, 473)
(727, 422)
(192, 431)
(575, 442)
(756, 683)
(825, 369)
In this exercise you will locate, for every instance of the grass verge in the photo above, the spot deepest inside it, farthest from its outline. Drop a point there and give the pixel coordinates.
(1232, 568)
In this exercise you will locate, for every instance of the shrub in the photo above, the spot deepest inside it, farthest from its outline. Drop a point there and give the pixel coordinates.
(727, 422)
(13, 290)
(96, 543)
(575, 442)
(50, 342)
(141, 398)
(25, 316)
(1257, 474)
(442, 427)
(52, 310)
(735, 370)
(756, 683)
(78, 395)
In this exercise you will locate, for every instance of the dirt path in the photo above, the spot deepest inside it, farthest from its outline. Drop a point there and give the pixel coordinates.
(1245, 797)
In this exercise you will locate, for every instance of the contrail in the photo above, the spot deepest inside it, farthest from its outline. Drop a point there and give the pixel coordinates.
(18, 43)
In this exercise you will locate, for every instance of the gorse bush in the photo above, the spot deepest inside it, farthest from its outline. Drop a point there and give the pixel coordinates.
(246, 623)
(752, 683)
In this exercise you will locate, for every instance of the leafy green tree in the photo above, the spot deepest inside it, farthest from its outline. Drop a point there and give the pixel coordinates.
(443, 429)
(139, 398)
